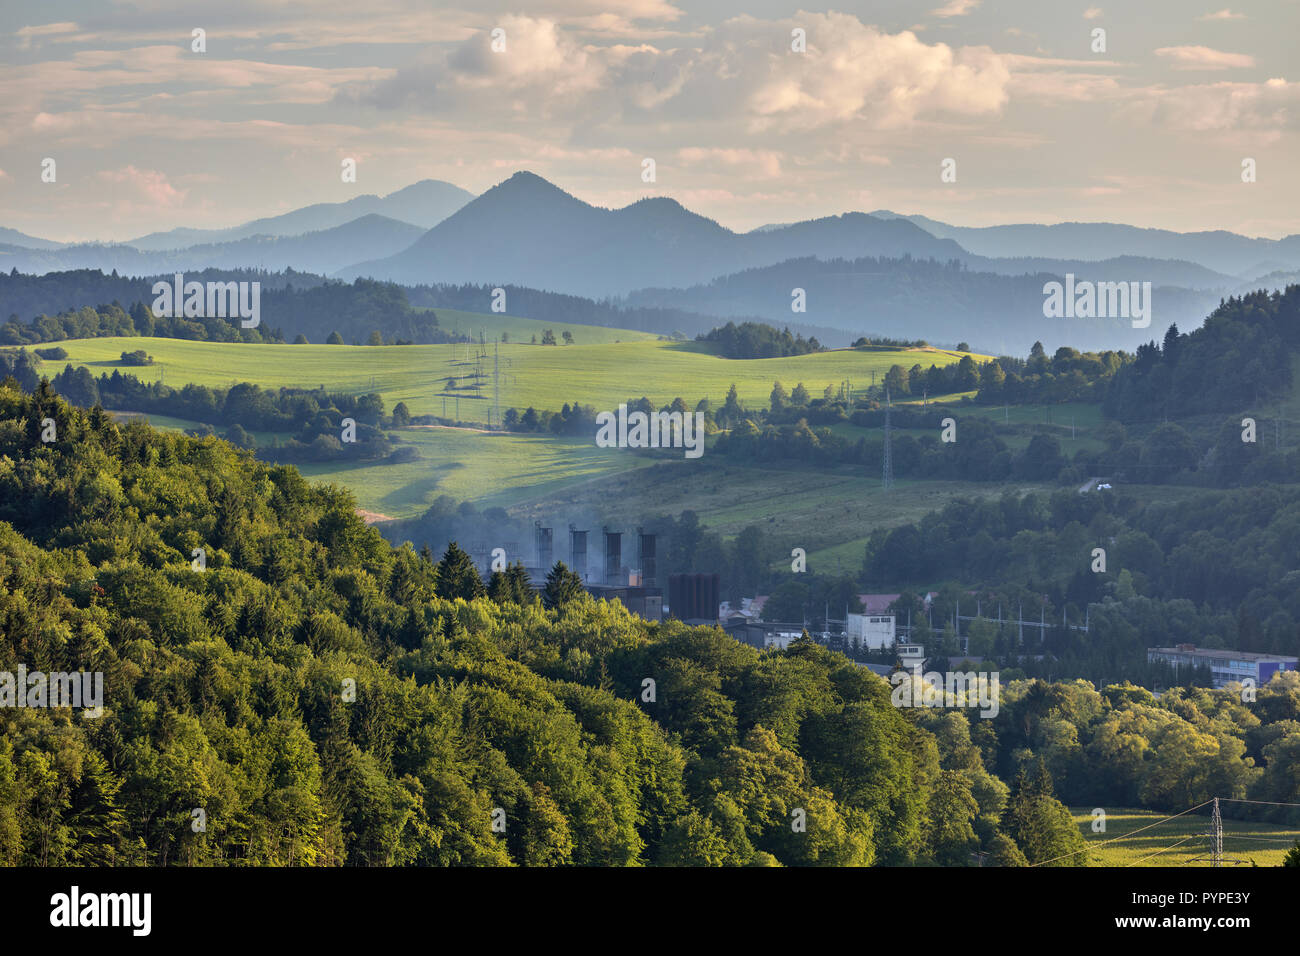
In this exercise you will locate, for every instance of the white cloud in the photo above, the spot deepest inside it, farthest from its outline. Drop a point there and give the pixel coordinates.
(1204, 58)
(1222, 15)
(742, 75)
(141, 188)
(757, 162)
(955, 8)
(1264, 108)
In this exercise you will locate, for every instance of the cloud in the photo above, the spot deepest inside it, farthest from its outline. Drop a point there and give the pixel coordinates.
(955, 8)
(146, 188)
(1204, 58)
(1092, 13)
(1222, 15)
(742, 76)
(760, 162)
(1263, 108)
(26, 34)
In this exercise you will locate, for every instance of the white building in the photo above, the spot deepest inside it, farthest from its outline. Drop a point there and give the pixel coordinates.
(874, 631)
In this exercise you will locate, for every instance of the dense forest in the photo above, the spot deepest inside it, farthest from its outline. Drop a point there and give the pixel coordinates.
(307, 312)
(325, 698)
(1239, 358)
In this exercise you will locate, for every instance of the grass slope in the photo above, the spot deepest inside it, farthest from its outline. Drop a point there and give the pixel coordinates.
(1263, 843)
(544, 377)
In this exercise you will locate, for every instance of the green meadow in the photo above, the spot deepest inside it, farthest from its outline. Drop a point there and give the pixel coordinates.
(1181, 841)
(457, 380)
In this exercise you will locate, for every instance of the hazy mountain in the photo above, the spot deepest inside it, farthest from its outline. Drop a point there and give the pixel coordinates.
(12, 237)
(1173, 272)
(1225, 252)
(325, 251)
(529, 232)
(936, 301)
(423, 204)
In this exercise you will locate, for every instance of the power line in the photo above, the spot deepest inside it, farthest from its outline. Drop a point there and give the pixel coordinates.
(1170, 847)
(1272, 803)
(1129, 834)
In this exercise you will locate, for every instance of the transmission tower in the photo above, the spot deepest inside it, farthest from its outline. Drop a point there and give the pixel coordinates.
(496, 381)
(889, 458)
(1216, 825)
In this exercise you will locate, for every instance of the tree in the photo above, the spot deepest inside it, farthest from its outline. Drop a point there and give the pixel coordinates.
(1292, 857)
(300, 339)
(376, 338)
(457, 576)
(1168, 450)
(1004, 852)
(401, 415)
(779, 397)
(548, 337)
(963, 346)
(334, 339)
(896, 381)
(1039, 823)
(562, 586)
(732, 412)
(511, 586)
(799, 396)
(568, 337)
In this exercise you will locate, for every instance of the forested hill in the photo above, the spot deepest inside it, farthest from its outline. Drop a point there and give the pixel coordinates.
(314, 696)
(58, 306)
(224, 691)
(1241, 356)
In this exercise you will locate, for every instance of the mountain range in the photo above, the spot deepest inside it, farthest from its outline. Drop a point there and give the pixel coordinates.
(860, 271)
(423, 204)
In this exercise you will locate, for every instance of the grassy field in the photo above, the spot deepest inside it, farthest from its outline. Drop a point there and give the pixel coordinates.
(488, 468)
(828, 512)
(544, 377)
(491, 325)
(1180, 841)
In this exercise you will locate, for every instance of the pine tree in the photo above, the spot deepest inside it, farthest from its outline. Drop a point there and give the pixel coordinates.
(457, 576)
(562, 586)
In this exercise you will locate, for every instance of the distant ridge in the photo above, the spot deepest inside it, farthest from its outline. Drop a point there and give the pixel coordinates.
(1219, 250)
(528, 231)
(423, 204)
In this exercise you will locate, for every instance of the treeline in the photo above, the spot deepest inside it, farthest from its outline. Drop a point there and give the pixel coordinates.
(1239, 358)
(315, 416)
(293, 305)
(751, 340)
(112, 320)
(569, 309)
(1216, 570)
(1068, 376)
(328, 699)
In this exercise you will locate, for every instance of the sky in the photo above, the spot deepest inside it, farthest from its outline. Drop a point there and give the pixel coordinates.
(1043, 125)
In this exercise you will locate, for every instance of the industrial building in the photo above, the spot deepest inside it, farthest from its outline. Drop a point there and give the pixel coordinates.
(762, 634)
(612, 580)
(872, 631)
(1226, 666)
